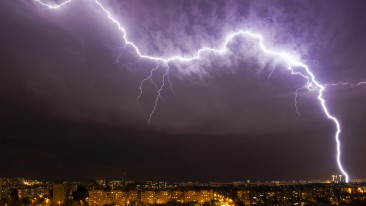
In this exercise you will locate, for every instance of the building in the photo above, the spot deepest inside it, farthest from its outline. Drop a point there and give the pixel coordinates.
(132, 196)
(190, 196)
(115, 184)
(58, 194)
(177, 195)
(337, 179)
(163, 196)
(148, 197)
(205, 195)
(107, 197)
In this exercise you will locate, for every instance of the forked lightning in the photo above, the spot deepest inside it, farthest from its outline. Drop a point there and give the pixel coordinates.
(294, 65)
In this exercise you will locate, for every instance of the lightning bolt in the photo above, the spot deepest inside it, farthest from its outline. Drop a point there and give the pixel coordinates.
(296, 102)
(295, 66)
(347, 84)
(169, 82)
(270, 74)
(53, 6)
(159, 94)
(146, 79)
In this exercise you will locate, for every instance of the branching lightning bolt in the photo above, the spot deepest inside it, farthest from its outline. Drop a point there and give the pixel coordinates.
(295, 66)
(159, 94)
(146, 79)
(347, 84)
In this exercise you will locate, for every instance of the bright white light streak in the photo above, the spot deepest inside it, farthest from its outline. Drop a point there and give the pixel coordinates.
(347, 84)
(148, 78)
(296, 102)
(159, 95)
(53, 6)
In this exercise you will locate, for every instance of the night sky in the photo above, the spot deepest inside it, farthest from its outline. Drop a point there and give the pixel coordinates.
(68, 90)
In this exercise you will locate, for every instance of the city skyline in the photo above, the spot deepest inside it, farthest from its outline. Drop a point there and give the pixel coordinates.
(20, 191)
(70, 89)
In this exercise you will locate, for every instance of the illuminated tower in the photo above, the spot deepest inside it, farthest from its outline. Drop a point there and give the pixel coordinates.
(334, 178)
(338, 179)
(58, 194)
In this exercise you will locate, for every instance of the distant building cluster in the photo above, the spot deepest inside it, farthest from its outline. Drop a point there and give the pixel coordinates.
(146, 197)
(19, 191)
(338, 179)
(308, 194)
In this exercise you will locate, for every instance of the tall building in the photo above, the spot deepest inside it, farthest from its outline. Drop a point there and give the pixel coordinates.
(58, 194)
(337, 178)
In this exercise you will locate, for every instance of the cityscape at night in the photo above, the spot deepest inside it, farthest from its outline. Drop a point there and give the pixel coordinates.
(182, 102)
(123, 192)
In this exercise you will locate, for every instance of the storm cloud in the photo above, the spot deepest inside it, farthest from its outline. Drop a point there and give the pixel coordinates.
(69, 85)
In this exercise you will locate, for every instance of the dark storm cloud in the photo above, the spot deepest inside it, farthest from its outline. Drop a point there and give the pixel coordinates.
(65, 103)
